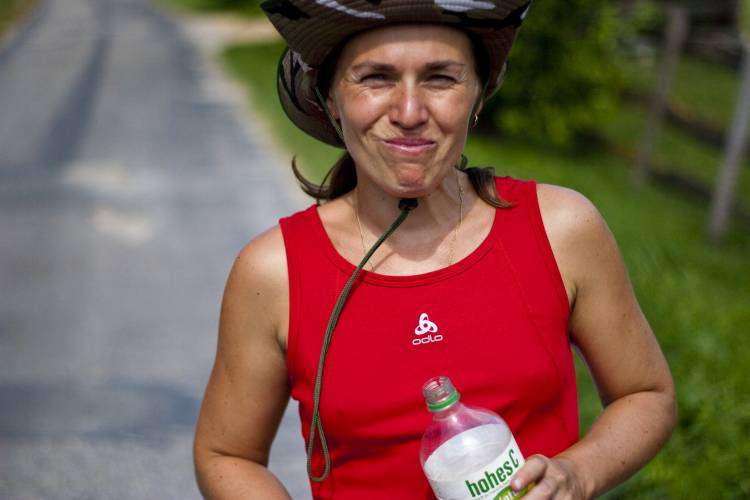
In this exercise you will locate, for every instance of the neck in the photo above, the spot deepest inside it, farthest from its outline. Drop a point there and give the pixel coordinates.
(436, 212)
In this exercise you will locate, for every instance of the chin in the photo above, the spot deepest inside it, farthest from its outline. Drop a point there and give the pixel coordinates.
(413, 177)
(413, 189)
(407, 178)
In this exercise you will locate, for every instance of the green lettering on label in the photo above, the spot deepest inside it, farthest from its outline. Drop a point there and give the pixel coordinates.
(483, 486)
(512, 455)
(500, 474)
(495, 479)
(473, 488)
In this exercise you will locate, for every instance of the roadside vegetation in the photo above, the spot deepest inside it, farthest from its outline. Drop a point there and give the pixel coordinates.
(703, 96)
(247, 8)
(11, 11)
(695, 295)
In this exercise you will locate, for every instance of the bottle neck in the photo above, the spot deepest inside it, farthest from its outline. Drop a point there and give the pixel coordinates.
(441, 399)
(447, 412)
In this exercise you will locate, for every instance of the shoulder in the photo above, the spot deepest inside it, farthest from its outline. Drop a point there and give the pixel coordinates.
(263, 258)
(258, 281)
(567, 212)
(580, 239)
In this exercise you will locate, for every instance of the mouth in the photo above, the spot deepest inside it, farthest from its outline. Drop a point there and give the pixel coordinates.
(410, 146)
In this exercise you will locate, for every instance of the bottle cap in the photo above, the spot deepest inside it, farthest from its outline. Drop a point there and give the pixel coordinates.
(439, 393)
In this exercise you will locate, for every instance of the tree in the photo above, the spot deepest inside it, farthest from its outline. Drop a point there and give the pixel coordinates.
(737, 139)
(563, 75)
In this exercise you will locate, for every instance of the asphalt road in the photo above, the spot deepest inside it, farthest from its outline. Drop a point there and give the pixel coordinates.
(128, 181)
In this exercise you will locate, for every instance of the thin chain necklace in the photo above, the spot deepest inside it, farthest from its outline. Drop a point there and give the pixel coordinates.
(455, 231)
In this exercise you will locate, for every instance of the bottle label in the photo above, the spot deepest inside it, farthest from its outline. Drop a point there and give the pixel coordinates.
(490, 482)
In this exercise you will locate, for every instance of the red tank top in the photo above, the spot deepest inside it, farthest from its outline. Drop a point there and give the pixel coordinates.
(495, 323)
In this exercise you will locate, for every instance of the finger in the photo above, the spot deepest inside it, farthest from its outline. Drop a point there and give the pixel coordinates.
(533, 470)
(544, 489)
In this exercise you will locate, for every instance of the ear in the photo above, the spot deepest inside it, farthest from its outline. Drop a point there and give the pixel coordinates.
(480, 99)
(478, 107)
(332, 108)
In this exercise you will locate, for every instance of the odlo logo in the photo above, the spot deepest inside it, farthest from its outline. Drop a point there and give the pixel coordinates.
(424, 331)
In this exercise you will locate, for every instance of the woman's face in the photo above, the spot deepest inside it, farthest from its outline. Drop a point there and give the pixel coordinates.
(404, 95)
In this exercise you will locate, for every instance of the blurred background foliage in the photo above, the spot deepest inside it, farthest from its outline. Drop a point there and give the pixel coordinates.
(572, 112)
(11, 11)
(576, 41)
(241, 7)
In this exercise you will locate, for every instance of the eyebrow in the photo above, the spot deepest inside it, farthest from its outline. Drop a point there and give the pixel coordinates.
(438, 65)
(388, 68)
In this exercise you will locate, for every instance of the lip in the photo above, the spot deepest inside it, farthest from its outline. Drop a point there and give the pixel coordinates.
(409, 145)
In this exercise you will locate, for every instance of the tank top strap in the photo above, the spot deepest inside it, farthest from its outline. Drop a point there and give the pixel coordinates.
(524, 247)
(311, 277)
(524, 238)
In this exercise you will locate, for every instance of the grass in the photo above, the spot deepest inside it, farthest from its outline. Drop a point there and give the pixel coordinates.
(695, 295)
(707, 91)
(703, 91)
(11, 11)
(247, 8)
(674, 150)
(256, 65)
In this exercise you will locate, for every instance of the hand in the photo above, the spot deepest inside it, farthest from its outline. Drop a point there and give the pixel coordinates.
(553, 478)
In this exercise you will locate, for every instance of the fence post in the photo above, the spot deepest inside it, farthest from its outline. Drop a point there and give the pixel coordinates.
(678, 23)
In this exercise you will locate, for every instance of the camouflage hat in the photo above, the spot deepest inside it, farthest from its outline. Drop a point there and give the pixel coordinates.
(313, 28)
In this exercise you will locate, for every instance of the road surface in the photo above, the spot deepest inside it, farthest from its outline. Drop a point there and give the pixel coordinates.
(129, 179)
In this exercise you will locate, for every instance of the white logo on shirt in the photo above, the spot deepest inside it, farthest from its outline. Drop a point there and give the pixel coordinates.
(426, 326)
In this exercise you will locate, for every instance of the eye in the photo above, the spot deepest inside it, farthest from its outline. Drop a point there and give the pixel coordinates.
(374, 77)
(441, 80)
(445, 78)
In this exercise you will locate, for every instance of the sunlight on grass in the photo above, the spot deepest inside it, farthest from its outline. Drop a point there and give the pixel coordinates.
(675, 150)
(707, 90)
(257, 65)
(245, 8)
(11, 11)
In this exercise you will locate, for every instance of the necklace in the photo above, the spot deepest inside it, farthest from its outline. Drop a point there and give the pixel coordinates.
(455, 231)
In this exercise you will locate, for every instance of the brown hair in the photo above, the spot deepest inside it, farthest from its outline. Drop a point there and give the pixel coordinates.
(342, 178)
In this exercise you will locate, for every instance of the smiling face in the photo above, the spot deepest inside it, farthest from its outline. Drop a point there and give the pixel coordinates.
(404, 96)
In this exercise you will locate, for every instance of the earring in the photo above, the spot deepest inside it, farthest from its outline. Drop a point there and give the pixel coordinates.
(462, 163)
(476, 120)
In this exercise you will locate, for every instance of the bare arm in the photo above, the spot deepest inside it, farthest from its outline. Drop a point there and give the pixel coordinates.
(248, 389)
(622, 354)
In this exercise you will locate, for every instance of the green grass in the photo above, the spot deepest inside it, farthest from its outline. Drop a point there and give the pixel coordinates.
(703, 90)
(248, 8)
(11, 11)
(696, 295)
(256, 65)
(674, 151)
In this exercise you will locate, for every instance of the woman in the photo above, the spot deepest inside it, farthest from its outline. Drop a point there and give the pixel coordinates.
(488, 281)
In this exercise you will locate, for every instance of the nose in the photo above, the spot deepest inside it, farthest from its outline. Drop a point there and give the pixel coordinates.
(408, 109)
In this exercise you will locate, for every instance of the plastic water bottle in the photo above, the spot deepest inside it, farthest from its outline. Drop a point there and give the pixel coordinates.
(467, 453)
